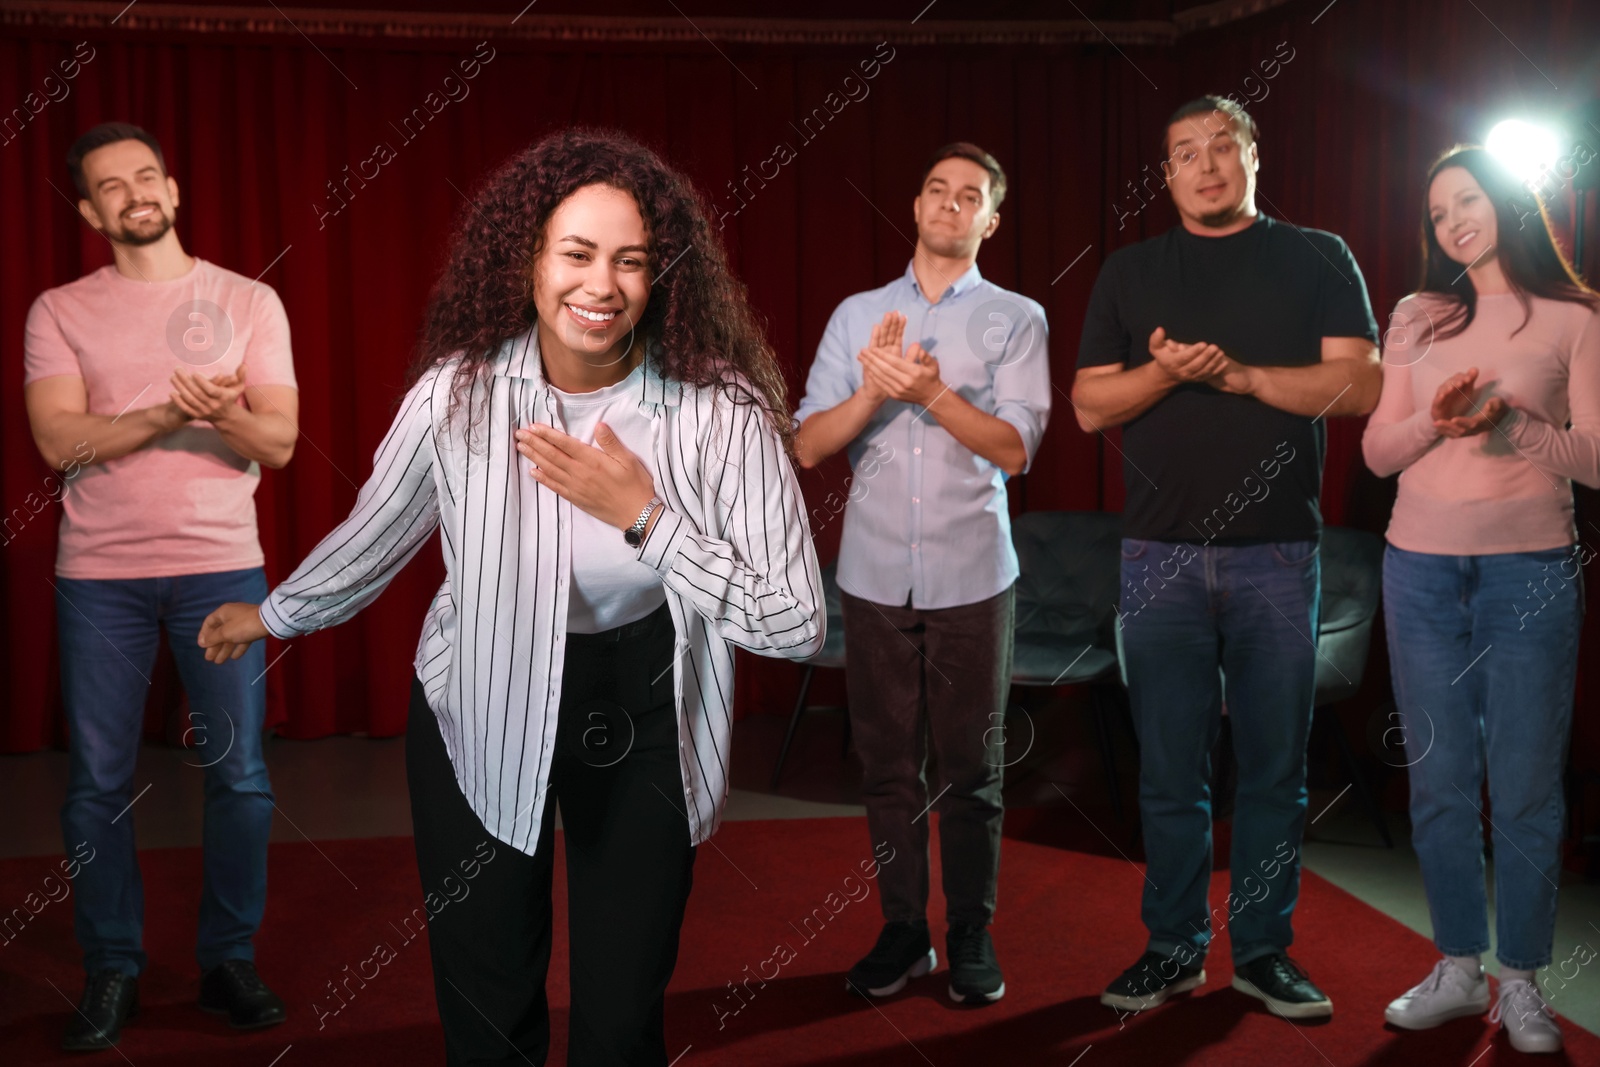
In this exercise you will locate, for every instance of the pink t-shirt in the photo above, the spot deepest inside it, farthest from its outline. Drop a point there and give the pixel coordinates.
(184, 503)
(1510, 489)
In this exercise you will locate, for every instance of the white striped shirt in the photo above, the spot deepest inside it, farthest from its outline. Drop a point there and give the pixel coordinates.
(732, 546)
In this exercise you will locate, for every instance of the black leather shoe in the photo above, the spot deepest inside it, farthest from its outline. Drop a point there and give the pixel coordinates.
(233, 988)
(110, 998)
(1153, 980)
(1286, 989)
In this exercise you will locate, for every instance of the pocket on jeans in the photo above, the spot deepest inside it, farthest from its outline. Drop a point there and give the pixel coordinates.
(1294, 553)
(1133, 548)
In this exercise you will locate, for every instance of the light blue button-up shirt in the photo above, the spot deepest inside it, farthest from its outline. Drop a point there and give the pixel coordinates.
(927, 517)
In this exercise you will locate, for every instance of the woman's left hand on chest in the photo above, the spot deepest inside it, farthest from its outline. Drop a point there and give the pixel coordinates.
(609, 482)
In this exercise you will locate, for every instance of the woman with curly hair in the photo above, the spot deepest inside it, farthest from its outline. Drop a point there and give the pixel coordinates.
(1490, 411)
(599, 428)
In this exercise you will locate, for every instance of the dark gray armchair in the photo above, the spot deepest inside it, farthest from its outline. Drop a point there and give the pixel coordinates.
(1352, 578)
(831, 655)
(1066, 613)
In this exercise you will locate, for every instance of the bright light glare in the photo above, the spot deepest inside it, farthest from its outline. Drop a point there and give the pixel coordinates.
(1528, 150)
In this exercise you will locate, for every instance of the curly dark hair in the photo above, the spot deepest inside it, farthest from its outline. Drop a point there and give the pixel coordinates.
(698, 326)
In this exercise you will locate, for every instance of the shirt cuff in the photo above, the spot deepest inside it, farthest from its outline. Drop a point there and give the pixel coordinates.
(274, 620)
(660, 545)
(1027, 428)
(810, 406)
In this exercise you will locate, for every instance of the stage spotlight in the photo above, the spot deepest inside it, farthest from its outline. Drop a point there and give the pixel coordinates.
(1528, 150)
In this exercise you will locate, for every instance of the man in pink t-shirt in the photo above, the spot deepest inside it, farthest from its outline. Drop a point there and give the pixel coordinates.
(157, 387)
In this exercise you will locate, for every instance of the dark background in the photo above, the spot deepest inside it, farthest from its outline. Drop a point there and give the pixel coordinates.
(259, 109)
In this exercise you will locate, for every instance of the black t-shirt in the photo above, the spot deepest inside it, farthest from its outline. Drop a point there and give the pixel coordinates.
(1202, 465)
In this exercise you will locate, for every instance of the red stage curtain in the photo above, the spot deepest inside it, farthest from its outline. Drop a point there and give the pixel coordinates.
(258, 126)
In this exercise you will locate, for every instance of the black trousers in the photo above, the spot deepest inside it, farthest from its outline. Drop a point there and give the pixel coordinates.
(910, 674)
(629, 868)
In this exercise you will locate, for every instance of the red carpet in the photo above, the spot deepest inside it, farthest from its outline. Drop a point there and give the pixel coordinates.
(1068, 923)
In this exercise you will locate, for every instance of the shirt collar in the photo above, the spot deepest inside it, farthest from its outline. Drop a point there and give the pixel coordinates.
(519, 358)
(956, 288)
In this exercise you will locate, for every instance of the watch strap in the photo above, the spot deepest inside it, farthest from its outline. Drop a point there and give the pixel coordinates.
(634, 534)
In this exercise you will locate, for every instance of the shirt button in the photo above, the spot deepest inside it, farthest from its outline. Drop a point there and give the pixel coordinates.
(916, 500)
(913, 544)
(916, 451)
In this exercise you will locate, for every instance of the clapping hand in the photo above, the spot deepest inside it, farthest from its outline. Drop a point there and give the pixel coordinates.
(1186, 363)
(1201, 362)
(1457, 414)
(211, 399)
(911, 375)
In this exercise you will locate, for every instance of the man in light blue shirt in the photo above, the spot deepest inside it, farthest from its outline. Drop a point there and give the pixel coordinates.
(937, 385)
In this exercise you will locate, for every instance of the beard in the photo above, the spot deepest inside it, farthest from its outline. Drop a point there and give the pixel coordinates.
(1218, 219)
(1229, 214)
(146, 231)
(1222, 216)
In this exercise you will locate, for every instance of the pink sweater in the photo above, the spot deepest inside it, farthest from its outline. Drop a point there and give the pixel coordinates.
(1510, 489)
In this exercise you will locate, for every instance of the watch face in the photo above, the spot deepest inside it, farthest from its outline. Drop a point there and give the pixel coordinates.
(631, 537)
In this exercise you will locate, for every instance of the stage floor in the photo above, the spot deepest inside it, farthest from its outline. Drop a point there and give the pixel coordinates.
(339, 789)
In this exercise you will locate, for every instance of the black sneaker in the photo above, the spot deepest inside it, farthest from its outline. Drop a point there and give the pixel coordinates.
(233, 988)
(1151, 981)
(903, 952)
(110, 998)
(1280, 982)
(974, 974)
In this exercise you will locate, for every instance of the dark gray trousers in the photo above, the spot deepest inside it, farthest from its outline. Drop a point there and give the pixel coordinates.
(943, 673)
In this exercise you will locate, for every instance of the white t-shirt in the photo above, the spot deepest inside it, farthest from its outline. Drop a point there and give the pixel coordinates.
(610, 587)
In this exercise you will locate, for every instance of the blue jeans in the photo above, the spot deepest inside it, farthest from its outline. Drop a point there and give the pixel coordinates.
(109, 631)
(1484, 670)
(1200, 624)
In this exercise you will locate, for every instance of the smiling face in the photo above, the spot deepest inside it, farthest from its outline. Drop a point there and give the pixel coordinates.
(954, 211)
(591, 282)
(1462, 216)
(1212, 171)
(131, 199)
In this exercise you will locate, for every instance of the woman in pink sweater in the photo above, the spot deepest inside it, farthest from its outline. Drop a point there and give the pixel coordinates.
(1490, 410)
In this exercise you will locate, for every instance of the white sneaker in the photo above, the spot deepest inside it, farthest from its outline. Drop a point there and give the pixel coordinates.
(1449, 992)
(1529, 1022)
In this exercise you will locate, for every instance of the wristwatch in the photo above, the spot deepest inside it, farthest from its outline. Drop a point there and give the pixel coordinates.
(634, 534)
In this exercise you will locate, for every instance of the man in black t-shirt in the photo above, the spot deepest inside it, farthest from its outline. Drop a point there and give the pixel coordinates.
(1220, 346)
